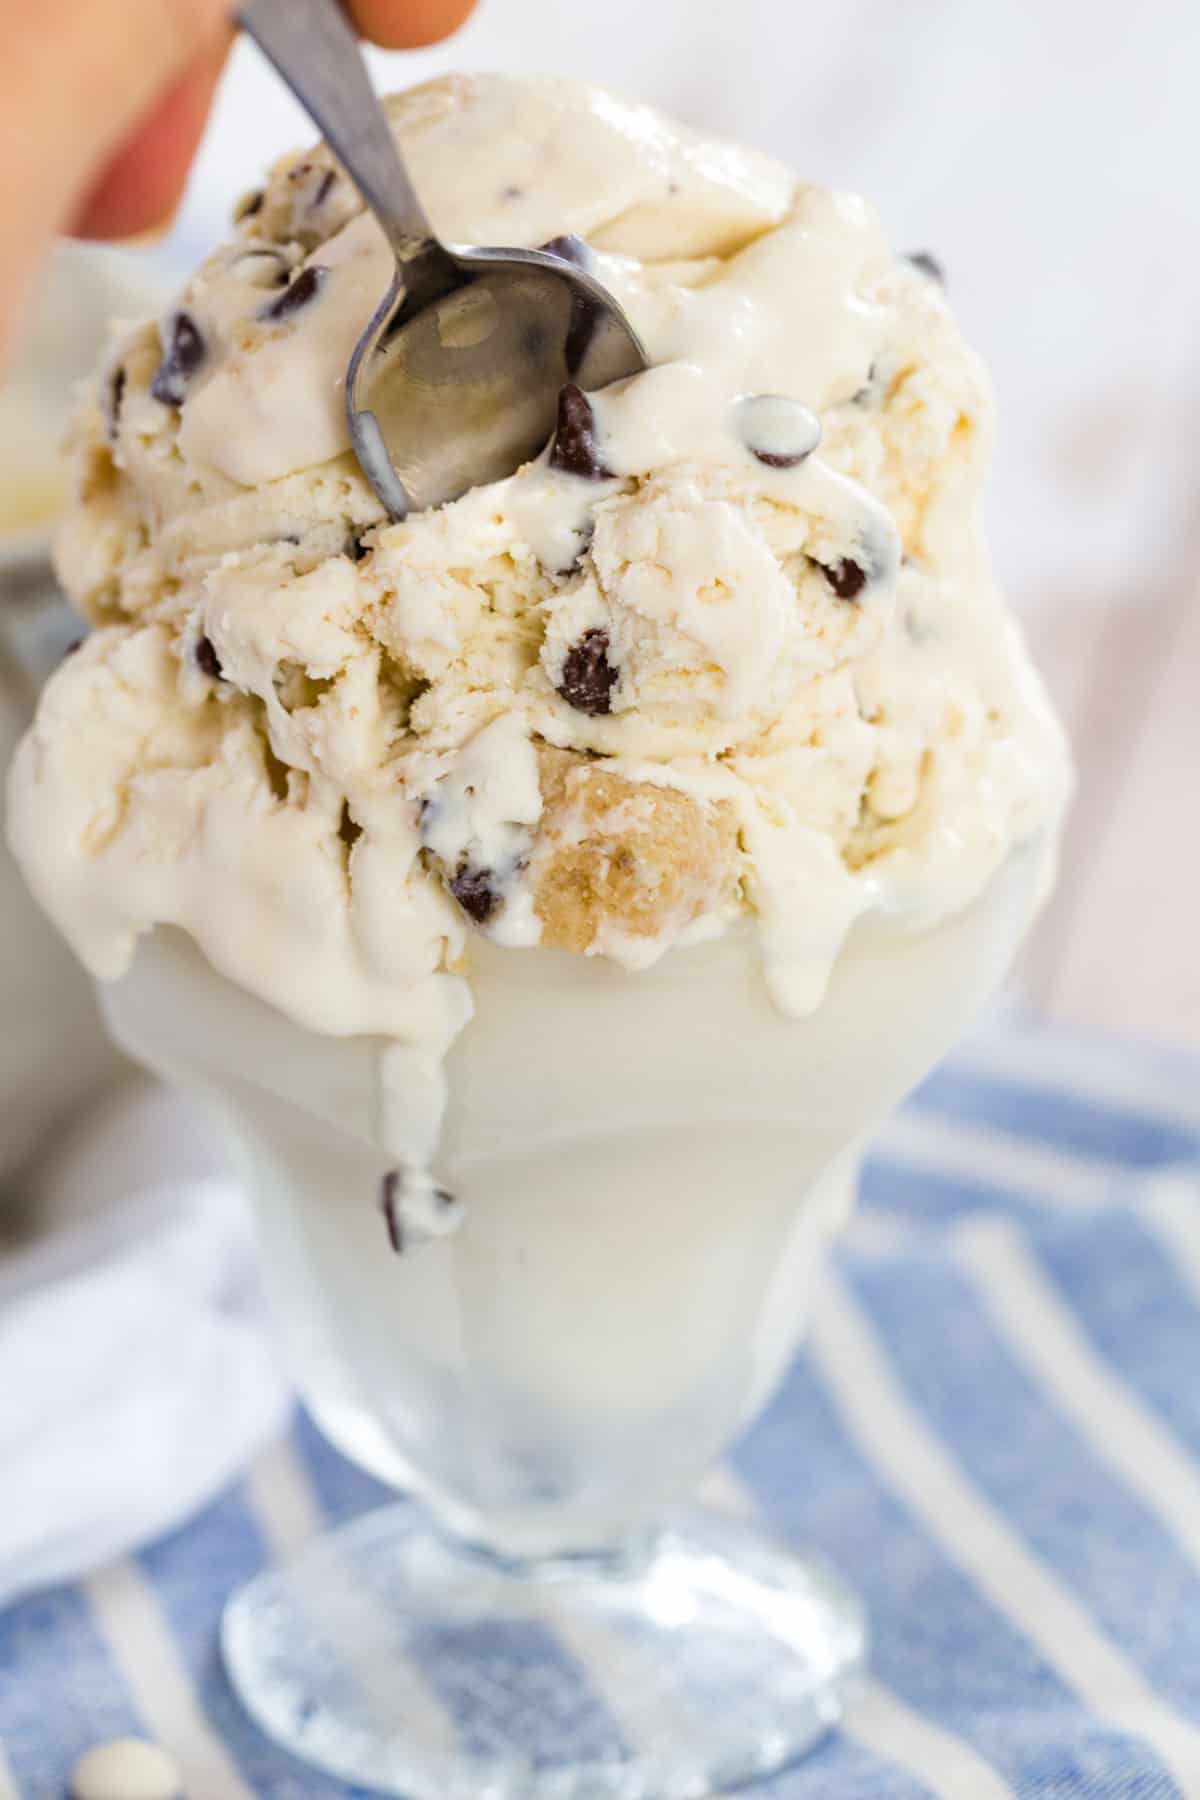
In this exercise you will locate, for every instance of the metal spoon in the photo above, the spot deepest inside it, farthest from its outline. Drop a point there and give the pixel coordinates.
(456, 380)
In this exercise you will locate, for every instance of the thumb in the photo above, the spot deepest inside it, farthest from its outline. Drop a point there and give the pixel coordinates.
(76, 77)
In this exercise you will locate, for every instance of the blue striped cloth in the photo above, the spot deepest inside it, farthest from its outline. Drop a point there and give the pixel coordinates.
(995, 1433)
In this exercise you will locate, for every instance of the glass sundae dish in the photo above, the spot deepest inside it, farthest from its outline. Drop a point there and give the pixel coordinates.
(551, 893)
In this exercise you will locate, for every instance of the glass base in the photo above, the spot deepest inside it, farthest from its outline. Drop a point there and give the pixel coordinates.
(703, 1657)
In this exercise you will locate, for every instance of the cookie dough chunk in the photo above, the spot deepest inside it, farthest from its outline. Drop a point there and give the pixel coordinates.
(618, 860)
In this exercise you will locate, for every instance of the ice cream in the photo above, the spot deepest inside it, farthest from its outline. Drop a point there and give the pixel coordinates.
(729, 652)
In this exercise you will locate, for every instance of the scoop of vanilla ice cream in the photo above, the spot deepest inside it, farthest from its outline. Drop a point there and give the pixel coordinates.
(729, 647)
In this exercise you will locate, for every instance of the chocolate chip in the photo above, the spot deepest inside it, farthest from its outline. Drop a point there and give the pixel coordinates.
(583, 538)
(397, 1186)
(116, 393)
(349, 829)
(574, 447)
(302, 292)
(775, 459)
(510, 191)
(207, 660)
(327, 184)
(588, 678)
(473, 890)
(185, 354)
(263, 266)
(874, 389)
(776, 430)
(928, 265)
(389, 1200)
(847, 578)
(250, 206)
(569, 248)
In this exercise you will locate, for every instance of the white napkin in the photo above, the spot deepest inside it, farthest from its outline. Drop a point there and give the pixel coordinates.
(138, 1367)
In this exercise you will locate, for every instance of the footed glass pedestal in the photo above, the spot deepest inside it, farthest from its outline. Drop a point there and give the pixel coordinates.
(650, 1168)
(700, 1656)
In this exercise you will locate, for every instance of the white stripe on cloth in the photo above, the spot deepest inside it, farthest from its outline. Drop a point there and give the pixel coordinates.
(901, 1445)
(945, 1764)
(940, 1144)
(1169, 1206)
(877, 1718)
(648, 1707)
(1041, 1333)
(132, 1624)
(1140, 1078)
(283, 1502)
(8, 1781)
(878, 1236)
(281, 1497)
(726, 1492)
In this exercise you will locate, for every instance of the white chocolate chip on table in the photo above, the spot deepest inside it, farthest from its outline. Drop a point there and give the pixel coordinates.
(126, 1769)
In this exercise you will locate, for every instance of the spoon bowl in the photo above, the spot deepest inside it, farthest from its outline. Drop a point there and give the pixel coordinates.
(456, 380)
(446, 393)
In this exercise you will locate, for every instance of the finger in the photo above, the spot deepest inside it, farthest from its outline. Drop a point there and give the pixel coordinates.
(407, 24)
(72, 87)
(83, 74)
(141, 185)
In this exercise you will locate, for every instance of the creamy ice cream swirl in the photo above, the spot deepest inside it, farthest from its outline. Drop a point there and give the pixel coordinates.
(730, 647)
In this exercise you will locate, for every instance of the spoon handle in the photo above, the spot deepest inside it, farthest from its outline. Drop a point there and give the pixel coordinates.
(311, 45)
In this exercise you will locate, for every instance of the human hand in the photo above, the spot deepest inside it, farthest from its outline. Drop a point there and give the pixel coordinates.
(102, 104)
